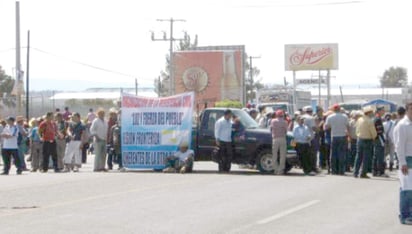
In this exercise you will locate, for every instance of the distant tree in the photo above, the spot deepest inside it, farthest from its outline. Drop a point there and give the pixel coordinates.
(394, 77)
(162, 88)
(6, 86)
(251, 84)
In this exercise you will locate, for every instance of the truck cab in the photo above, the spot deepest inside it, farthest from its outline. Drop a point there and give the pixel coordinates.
(254, 149)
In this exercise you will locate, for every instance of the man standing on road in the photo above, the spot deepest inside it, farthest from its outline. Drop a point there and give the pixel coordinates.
(223, 136)
(366, 133)
(302, 136)
(60, 139)
(48, 132)
(339, 125)
(279, 128)
(314, 143)
(75, 132)
(379, 144)
(402, 139)
(10, 148)
(99, 131)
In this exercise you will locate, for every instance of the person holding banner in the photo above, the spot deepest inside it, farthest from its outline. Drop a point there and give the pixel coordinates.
(99, 131)
(223, 136)
(402, 139)
(181, 161)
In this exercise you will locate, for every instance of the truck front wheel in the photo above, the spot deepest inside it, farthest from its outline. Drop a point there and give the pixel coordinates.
(265, 161)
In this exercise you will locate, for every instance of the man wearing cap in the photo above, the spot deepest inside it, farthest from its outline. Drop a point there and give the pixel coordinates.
(366, 133)
(339, 125)
(223, 136)
(279, 128)
(402, 139)
(10, 148)
(379, 144)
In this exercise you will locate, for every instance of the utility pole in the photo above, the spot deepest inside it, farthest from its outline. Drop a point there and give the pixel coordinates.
(171, 39)
(136, 85)
(251, 69)
(27, 76)
(17, 86)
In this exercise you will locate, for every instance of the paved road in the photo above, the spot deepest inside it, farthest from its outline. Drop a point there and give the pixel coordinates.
(203, 202)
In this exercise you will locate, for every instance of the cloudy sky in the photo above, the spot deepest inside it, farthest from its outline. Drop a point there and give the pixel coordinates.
(70, 39)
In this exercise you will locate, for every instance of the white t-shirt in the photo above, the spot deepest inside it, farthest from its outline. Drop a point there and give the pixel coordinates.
(185, 155)
(10, 143)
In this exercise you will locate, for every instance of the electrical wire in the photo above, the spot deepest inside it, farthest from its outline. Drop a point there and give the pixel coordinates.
(89, 65)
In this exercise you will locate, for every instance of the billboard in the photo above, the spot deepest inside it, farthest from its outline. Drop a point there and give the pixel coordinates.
(311, 57)
(152, 128)
(212, 75)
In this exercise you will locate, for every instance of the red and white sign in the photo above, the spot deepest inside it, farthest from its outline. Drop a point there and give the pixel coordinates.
(311, 57)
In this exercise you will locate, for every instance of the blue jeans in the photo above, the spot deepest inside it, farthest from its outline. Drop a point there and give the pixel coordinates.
(364, 150)
(378, 158)
(405, 198)
(339, 149)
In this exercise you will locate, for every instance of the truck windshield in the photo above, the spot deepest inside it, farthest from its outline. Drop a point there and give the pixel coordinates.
(245, 119)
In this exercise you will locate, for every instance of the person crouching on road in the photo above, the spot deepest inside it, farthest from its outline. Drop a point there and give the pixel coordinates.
(279, 128)
(181, 161)
(75, 133)
(223, 136)
(302, 136)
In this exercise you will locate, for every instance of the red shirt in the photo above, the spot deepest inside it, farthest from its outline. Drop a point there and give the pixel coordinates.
(48, 130)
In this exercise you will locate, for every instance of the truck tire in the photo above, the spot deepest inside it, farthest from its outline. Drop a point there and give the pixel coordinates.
(264, 161)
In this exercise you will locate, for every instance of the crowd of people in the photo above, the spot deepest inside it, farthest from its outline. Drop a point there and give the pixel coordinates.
(65, 138)
(360, 141)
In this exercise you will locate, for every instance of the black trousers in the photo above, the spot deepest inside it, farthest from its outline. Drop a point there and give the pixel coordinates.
(304, 152)
(49, 149)
(7, 155)
(226, 155)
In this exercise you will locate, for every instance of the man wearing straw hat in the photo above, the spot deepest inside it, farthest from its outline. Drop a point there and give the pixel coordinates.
(366, 133)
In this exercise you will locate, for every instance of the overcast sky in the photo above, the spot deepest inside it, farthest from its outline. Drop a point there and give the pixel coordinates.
(115, 35)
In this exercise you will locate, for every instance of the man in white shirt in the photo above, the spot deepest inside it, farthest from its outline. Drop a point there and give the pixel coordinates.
(223, 136)
(181, 161)
(99, 131)
(402, 139)
(10, 147)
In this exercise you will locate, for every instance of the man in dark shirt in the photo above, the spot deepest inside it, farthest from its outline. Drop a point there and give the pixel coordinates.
(378, 164)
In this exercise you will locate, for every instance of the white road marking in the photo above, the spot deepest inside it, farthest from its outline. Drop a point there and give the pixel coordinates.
(287, 212)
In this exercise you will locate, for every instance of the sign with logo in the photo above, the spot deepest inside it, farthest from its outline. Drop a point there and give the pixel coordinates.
(212, 75)
(153, 128)
(311, 57)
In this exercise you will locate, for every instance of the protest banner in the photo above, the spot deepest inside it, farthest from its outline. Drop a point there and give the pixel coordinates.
(153, 128)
